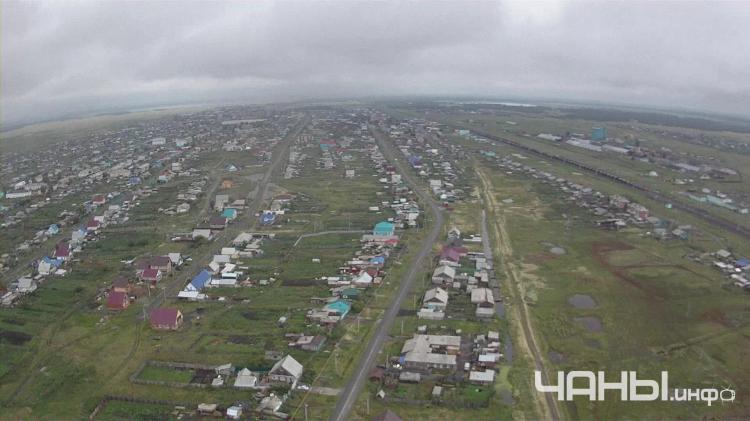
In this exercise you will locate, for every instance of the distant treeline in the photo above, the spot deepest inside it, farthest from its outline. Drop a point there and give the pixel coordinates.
(607, 114)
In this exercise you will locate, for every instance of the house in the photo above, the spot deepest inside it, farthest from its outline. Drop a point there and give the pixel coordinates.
(430, 351)
(78, 235)
(339, 307)
(202, 233)
(350, 293)
(92, 225)
(183, 208)
(176, 259)
(363, 279)
(217, 222)
(220, 201)
(121, 284)
(99, 200)
(165, 318)
(246, 379)
(450, 255)
(53, 229)
(234, 412)
(150, 275)
(384, 229)
(286, 371)
(199, 282)
(161, 263)
(310, 343)
(435, 299)
(117, 301)
(62, 251)
(486, 377)
(443, 275)
(26, 285)
(482, 296)
(270, 403)
(47, 266)
(409, 377)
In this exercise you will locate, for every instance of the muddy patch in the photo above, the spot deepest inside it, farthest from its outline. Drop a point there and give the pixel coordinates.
(590, 323)
(581, 301)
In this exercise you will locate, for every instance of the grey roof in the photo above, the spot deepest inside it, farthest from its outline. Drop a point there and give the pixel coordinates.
(290, 365)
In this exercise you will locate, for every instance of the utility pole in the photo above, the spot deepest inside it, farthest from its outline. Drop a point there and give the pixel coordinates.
(305, 412)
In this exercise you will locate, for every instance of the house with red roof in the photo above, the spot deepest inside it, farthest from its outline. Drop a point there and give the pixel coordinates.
(150, 275)
(62, 251)
(117, 301)
(99, 199)
(165, 318)
(92, 225)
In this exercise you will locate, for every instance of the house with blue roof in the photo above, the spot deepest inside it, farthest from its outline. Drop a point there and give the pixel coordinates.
(384, 229)
(742, 263)
(199, 281)
(340, 307)
(377, 260)
(53, 229)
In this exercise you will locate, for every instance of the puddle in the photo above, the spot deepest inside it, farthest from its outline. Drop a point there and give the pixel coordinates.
(557, 250)
(556, 357)
(581, 301)
(592, 343)
(592, 324)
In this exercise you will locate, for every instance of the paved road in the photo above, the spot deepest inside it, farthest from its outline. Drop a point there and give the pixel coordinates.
(351, 391)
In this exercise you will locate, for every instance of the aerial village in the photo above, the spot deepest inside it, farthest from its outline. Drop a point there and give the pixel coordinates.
(205, 184)
(249, 251)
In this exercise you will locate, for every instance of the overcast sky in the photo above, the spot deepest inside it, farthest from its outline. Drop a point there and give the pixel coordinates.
(63, 57)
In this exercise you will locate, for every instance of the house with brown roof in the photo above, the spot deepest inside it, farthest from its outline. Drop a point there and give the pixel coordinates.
(217, 223)
(162, 263)
(121, 284)
(165, 319)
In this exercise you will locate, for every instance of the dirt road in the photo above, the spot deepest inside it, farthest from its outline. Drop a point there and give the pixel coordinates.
(546, 404)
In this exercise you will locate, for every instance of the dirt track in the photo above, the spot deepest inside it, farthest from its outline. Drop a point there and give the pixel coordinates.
(546, 404)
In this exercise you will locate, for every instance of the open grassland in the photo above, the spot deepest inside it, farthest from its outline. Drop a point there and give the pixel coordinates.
(654, 310)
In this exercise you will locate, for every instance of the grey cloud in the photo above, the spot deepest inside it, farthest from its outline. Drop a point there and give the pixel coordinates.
(70, 57)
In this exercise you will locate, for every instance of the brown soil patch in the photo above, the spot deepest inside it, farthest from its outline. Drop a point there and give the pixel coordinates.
(599, 247)
(715, 316)
(600, 250)
(538, 258)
